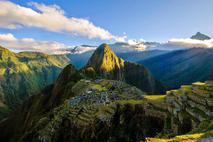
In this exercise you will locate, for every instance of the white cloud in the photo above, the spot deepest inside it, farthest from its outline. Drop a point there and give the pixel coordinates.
(135, 42)
(7, 37)
(28, 44)
(51, 18)
(192, 43)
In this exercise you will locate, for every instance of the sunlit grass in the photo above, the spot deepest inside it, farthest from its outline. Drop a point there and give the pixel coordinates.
(160, 98)
(199, 83)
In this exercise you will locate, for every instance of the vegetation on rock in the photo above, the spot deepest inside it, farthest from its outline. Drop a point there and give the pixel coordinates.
(25, 74)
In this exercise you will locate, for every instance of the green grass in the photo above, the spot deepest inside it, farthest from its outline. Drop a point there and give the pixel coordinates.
(199, 83)
(191, 136)
(25, 74)
(159, 98)
(122, 102)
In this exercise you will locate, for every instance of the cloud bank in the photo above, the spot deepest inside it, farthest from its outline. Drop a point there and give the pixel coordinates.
(51, 18)
(28, 44)
(192, 43)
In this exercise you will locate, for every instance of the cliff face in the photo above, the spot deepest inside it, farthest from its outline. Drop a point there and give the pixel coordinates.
(106, 64)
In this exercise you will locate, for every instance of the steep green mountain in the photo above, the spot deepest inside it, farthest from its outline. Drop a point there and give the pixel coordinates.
(76, 108)
(105, 63)
(181, 67)
(200, 36)
(25, 74)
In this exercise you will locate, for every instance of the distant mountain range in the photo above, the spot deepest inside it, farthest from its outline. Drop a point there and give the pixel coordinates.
(140, 46)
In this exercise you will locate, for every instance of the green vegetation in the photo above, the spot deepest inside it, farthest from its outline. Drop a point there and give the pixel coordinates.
(78, 107)
(160, 98)
(25, 74)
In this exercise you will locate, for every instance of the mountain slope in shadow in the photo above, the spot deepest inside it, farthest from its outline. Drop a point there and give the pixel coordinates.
(181, 67)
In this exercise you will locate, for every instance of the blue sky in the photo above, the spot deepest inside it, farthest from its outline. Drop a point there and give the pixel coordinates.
(152, 20)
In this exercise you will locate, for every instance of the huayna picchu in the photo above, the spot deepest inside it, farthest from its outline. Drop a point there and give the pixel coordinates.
(106, 64)
(95, 104)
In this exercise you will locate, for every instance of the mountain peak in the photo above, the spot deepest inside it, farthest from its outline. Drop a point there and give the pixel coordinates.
(105, 62)
(104, 49)
(200, 36)
(104, 59)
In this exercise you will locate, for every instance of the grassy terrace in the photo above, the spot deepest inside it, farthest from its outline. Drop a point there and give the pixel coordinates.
(199, 84)
(207, 85)
(158, 98)
(122, 102)
(186, 87)
(197, 99)
(204, 129)
(181, 138)
(202, 93)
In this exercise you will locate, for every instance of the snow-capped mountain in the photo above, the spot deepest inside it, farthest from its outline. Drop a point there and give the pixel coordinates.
(81, 49)
(198, 40)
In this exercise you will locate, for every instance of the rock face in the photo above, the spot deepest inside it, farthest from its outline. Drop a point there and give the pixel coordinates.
(76, 109)
(106, 64)
(200, 36)
(25, 74)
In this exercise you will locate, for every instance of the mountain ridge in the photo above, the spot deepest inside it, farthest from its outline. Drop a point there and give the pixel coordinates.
(25, 74)
(181, 67)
